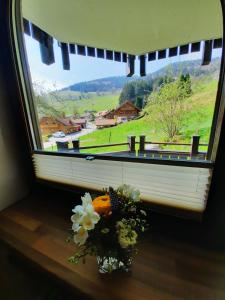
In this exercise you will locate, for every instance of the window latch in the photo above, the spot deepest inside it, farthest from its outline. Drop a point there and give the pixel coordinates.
(90, 158)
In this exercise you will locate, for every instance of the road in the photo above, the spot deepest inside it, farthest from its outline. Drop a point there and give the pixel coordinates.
(70, 137)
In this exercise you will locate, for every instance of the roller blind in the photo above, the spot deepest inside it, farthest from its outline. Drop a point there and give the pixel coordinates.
(175, 186)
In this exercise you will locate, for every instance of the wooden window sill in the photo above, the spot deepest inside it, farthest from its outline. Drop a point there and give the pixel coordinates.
(165, 268)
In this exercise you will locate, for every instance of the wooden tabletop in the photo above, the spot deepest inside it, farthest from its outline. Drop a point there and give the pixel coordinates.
(164, 268)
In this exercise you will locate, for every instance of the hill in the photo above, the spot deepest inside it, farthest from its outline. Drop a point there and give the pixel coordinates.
(107, 84)
(193, 67)
(116, 83)
(197, 120)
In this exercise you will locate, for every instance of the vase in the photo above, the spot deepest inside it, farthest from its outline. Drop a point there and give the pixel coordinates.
(109, 264)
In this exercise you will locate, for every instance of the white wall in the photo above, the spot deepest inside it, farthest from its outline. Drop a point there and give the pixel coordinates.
(12, 178)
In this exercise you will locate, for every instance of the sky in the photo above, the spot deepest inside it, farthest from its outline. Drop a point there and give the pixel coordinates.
(85, 68)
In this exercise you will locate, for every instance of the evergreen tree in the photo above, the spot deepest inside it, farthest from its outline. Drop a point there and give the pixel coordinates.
(184, 83)
(128, 93)
(139, 102)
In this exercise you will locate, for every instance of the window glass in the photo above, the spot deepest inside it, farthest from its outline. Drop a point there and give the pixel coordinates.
(95, 108)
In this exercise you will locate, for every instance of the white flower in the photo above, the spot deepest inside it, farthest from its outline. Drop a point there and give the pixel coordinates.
(89, 209)
(129, 192)
(75, 227)
(76, 218)
(78, 209)
(86, 200)
(135, 195)
(84, 215)
(81, 236)
(89, 220)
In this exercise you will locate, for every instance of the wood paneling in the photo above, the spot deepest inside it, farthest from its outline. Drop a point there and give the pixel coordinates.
(165, 268)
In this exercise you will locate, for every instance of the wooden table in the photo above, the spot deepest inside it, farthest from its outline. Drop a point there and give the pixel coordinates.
(164, 268)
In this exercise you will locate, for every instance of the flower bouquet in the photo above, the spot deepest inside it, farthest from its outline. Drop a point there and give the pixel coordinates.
(108, 227)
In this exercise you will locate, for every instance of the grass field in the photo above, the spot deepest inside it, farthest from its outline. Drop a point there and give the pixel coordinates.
(97, 103)
(197, 120)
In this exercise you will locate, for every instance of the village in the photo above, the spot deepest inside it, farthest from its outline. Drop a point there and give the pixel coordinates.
(67, 128)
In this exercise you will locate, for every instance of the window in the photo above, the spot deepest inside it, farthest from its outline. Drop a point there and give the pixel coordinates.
(166, 113)
(162, 115)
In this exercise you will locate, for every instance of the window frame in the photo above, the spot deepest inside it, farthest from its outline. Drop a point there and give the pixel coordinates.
(30, 111)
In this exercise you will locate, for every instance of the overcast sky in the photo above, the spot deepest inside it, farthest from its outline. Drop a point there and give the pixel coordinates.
(84, 68)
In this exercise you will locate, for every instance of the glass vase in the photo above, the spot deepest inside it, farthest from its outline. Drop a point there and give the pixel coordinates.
(109, 264)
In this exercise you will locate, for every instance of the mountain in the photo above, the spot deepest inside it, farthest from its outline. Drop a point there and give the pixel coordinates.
(112, 84)
(193, 67)
(100, 85)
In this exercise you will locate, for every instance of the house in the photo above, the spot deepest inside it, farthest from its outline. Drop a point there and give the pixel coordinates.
(88, 115)
(104, 123)
(81, 121)
(126, 111)
(49, 125)
(102, 114)
(110, 114)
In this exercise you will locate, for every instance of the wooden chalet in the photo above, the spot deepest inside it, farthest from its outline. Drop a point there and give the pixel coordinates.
(126, 110)
(49, 125)
(81, 122)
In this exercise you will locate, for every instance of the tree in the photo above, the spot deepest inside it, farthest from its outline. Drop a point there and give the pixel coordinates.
(166, 107)
(128, 93)
(139, 102)
(134, 89)
(184, 84)
(51, 103)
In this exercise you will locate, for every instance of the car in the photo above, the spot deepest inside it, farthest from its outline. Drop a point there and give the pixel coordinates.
(58, 134)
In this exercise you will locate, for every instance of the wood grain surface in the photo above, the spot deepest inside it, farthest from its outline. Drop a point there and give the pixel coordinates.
(165, 268)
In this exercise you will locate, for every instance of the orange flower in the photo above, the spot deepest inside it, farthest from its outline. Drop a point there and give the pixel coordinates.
(102, 205)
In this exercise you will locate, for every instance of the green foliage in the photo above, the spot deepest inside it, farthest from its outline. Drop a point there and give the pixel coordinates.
(134, 89)
(50, 103)
(128, 93)
(196, 120)
(160, 80)
(184, 84)
(139, 102)
(166, 107)
(45, 109)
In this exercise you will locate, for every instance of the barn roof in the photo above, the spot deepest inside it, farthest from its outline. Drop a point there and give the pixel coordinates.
(128, 102)
(105, 122)
(78, 121)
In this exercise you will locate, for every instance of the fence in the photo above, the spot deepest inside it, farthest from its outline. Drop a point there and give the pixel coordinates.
(140, 149)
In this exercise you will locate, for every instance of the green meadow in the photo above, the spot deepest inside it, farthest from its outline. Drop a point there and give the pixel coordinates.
(197, 119)
(95, 102)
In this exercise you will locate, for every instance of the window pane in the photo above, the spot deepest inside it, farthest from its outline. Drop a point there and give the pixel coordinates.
(94, 108)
